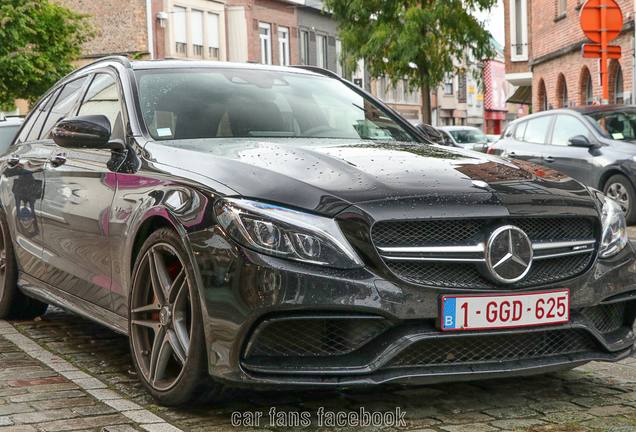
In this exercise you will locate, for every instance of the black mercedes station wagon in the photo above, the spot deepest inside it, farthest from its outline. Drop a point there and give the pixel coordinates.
(259, 226)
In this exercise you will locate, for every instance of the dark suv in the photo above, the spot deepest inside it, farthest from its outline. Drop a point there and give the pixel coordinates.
(250, 225)
(596, 145)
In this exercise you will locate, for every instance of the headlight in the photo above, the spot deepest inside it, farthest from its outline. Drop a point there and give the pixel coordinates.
(614, 229)
(286, 233)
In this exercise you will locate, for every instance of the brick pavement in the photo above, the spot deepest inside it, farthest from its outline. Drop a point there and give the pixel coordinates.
(64, 373)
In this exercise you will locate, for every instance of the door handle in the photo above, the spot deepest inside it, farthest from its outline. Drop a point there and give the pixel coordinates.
(13, 160)
(549, 159)
(58, 160)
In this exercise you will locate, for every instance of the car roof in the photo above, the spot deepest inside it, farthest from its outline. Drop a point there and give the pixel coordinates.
(203, 64)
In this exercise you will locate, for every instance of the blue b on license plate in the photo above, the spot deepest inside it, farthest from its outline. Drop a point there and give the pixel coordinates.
(506, 310)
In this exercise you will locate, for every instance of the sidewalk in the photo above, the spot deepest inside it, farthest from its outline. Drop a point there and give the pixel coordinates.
(40, 391)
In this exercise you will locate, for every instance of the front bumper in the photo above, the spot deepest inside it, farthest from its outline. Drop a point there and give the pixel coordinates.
(242, 290)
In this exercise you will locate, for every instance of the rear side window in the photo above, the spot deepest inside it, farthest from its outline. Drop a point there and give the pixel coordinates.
(63, 106)
(533, 131)
(508, 132)
(521, 130)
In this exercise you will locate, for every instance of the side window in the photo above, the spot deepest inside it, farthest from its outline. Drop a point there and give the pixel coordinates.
(31, 130)
(537, 130)
(102, 97)
(521, 130)
(508, 132)
(63, 106)
(566, 127)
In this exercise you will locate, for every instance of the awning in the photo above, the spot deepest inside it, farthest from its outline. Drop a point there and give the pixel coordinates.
(523, 95)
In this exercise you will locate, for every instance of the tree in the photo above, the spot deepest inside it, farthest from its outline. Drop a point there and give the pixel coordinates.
(417, 39)
(38, 41)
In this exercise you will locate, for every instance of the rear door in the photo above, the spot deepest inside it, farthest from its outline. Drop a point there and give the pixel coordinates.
(576, 162)
(528, 140)
(22, 188)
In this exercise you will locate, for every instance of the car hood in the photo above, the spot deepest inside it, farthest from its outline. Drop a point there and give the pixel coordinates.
(328, 175)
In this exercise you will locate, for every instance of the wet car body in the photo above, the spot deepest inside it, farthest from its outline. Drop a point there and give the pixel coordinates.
(80, 216)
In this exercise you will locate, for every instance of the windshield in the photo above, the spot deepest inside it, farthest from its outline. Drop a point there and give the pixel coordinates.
(222, 103)
(616, 124)
(468, 136)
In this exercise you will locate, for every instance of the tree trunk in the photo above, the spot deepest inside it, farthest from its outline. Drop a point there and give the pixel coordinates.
(425, 92)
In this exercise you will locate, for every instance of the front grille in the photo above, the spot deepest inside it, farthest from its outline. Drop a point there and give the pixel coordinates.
(493, 348)
(396, 233)
(462, 274)
(313, 336)
(606, 318)
(465, 275)
(414, 233)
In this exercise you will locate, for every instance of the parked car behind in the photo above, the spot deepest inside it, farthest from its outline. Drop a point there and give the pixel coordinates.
(8, 129)
(594, 144)
(466, 137)
(260, 226)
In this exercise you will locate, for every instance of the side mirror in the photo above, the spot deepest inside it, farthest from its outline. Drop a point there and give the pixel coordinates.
(580, 141)
(88, 131)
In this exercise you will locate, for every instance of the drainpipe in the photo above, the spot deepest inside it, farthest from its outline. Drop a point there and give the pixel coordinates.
(151, 44)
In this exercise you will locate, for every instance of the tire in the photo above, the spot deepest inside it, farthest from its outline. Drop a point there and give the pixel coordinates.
(13, 302)
(620, 189)
(167, 341)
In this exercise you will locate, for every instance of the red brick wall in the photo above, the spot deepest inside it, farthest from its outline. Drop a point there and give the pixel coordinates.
(274, 13)
(572, 67)
(517, 67)
(158, 31)
(550, 36)
(120, 24)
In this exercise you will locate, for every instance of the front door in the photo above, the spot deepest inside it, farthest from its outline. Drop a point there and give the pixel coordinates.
(576, 162)
(77, 203)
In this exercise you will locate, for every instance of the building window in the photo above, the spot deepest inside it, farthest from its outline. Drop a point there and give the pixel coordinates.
(213, 36)
(448, 84)
(518, 30)
(321, 47)
(565, 95)
(618, 87)
(266, 44)
(339, 70)
(382, 94)
(461, 88)
(304, 48)
(589, 91)
(180, 30)
(560, 7)
(196, 26)
(543, 97)
(283, 45)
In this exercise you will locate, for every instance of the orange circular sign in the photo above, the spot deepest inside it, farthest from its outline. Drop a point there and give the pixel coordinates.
(591, 19)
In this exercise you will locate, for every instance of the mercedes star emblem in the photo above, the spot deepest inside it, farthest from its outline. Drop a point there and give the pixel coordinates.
(508, 254)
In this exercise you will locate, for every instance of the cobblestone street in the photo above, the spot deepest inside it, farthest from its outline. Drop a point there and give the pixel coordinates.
(64, 373)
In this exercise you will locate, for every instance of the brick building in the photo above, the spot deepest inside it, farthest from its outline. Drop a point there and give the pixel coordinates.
(263, 31)
(121, 27)
(543, 53)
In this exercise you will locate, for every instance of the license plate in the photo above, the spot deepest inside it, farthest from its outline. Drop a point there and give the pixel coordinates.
(506, 310)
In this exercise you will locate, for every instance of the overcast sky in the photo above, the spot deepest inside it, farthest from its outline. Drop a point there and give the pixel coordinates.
(495, 22)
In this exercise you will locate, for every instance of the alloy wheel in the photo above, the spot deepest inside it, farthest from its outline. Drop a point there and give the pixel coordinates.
(161, 314)
(620, 194)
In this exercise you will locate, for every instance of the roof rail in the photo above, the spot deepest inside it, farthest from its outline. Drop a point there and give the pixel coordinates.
(319, 70)
(117, 58)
